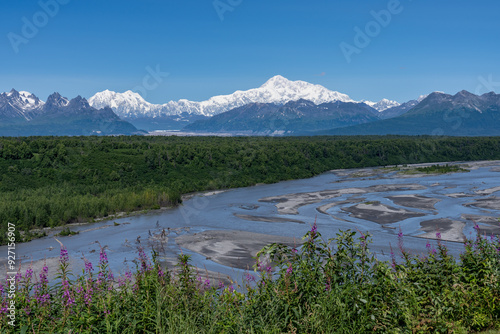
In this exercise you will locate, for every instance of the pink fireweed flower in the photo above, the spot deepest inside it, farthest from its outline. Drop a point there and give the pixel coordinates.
(289, 270)
(103, 258)
(249, 278)
(43, 275)
(29, 273)
(221, 285)
(438, 236)
(64, 258)
(88, 267)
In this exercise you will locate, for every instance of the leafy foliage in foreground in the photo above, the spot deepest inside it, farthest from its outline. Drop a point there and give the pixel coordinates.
(50, 181)
(324, 287)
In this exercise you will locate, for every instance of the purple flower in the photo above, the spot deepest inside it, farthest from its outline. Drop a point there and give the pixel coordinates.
(438, 236)
(269, 269)
(103, 258)
(249, 278)
(230, 288)
(64, 258)
(88, 266)
(294, 250)
(29, 273)
(289, 270)
(314, 229)
(221, 285)
(43, 275)
(428, 245)
(207, 283)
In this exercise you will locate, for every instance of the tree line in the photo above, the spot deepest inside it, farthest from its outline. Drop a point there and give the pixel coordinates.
(51, 181)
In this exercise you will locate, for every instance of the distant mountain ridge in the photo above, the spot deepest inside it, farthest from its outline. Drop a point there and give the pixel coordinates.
(24, 114)
(462, 114)
(293, 117)
(277, 90)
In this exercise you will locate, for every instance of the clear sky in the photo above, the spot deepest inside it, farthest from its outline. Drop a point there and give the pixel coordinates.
(216, 47)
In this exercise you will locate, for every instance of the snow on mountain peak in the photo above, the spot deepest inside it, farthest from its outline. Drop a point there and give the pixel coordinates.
(277, 90)
(23, 102)
(382, 104)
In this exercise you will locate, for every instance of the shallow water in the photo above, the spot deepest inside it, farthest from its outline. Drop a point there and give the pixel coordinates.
(217, 211)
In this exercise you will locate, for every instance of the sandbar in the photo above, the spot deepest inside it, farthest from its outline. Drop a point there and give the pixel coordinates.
(380, 213)
(232, 248)
(268, 219)
(415, 201)
(450, 230)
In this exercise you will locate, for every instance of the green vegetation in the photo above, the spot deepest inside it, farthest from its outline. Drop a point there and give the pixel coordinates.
(324, 287)
(66, 231)
(440, 169)
(52, 181)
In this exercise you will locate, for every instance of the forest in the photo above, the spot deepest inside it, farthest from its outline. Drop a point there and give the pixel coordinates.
(52, 181)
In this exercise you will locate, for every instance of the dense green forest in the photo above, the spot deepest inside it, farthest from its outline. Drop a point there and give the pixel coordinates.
(50, 181)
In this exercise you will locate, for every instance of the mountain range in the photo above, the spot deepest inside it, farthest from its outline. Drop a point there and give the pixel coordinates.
(292, 117)
(24, 114)
(462, 114)
(278, 107)
(277, 90)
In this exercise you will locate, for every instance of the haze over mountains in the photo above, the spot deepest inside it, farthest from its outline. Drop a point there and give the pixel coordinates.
(278, 107)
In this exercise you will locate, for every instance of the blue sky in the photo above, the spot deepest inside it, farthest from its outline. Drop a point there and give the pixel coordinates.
(86, 46)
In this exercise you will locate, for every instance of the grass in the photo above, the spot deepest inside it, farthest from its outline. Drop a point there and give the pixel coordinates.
(334, 286)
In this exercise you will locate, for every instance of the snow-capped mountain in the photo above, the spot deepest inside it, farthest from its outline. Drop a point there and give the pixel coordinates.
(382, 104)
(277, 90)
(128, 104)
(19, 105)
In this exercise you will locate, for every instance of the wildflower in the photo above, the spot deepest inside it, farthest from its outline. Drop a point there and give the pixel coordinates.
(43, 275)
(221, 285)
(289, 270)
(438, 236)
(269, 269)
(29, 273)
(230, 288)
(207, 283)
(103, 258)
(88, 267)
(64, 258)
(294, 250)
(428, 245)
(249, 278)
